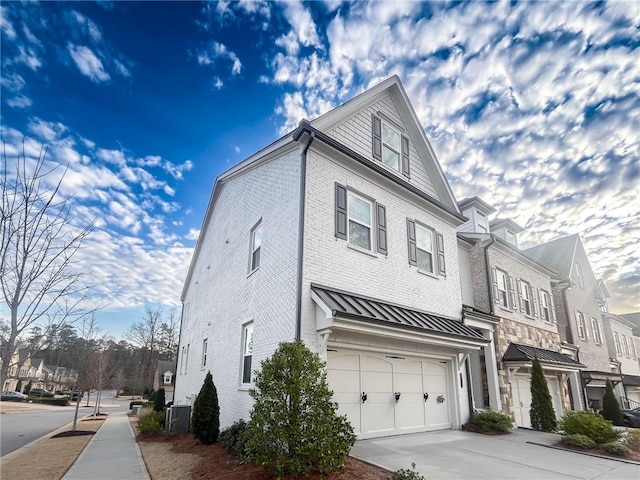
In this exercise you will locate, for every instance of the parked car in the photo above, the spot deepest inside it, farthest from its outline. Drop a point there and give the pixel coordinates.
(12, 396)
(64, 391)
(41, 392)
(74, 395)
(631, 417)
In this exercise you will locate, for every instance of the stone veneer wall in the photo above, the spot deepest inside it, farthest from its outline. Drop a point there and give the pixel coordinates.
(508, 331)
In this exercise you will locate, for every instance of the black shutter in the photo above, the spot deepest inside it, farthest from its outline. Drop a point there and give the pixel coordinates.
(376, 127)
(411, 237)
(381, 218)
(441, 266)
(341, 212)
(405, 156)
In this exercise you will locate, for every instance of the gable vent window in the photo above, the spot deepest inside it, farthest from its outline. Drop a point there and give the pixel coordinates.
(390, 146)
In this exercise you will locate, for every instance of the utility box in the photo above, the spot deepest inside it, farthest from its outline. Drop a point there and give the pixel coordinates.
(178, 419)
(136, 410)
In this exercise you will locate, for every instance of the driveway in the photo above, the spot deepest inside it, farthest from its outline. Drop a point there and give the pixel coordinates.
(453, 454)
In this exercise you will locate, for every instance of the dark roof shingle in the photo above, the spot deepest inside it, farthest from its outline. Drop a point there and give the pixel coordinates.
(525, 353)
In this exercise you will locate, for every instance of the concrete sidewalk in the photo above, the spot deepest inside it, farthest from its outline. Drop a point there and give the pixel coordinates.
(112, 454)
(458, 455)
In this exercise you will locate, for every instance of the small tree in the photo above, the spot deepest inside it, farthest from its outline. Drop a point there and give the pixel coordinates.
(19, 386)
(542, 415)
(610, 407)
(205, 420)
(294, 427)
(159, 402)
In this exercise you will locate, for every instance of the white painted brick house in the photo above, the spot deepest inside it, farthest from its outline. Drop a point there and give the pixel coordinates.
(343, 234)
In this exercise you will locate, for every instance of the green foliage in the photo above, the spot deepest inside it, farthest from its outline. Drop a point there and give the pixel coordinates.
(610, 407)
(59, 402)
(406, 474)
(594, 426)
(491, 421)
(543, 417)
(151, 423)
(294, 427)
(632, 438)
(578, 440)
(159, 400)
(19, 386)
(615, 448)
(28, 387)
(152, 396)
(234, 439)
(205, 419)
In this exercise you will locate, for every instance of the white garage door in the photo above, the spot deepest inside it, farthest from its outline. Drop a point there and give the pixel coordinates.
(521, 387)
(365, 386)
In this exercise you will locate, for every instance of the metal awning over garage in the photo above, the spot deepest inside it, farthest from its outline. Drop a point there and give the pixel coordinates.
(523, 355)
(356, 312)
(598, 379)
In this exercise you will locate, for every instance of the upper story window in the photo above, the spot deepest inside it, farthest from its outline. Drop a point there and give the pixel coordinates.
(205, 346)
(625, 345)
(360, 221)
(581, 324)
(579, 276)
(632, 348)
(595, 328)
(247, 352)
(426, 248)
(256, 244)
(616, 340)
(545, 306)
(167, 378)
(390, 146)
(525, 297)
(502, 288)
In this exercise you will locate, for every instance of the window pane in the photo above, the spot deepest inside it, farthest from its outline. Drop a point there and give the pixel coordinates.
(359, 210)
(359, 235)
(424, 239)
(248, 340)
(390, 158)
(257, 237)
(255, 259)
(246, 369)
(425, 261)
(390, 137)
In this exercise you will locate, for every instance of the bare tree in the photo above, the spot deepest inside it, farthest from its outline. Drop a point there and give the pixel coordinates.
(38, 278)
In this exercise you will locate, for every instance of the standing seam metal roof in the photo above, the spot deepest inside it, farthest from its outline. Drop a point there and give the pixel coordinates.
(357, 306)
(517, 352)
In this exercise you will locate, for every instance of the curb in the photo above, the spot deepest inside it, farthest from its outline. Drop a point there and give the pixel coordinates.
(588, 454)
(33, 443)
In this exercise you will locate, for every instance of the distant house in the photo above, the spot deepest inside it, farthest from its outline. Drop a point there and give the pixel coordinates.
(621, 339)
(515, 288)
(580, 300)
(165, 377)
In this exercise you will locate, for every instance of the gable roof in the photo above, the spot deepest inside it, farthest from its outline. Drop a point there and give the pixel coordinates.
(392, 86)
(477, 202)
(558, 253)
(496, 223)
(163, 365)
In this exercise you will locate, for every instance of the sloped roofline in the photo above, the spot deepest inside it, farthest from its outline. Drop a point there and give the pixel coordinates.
(394, 86)
(573, 237)
(465, 202)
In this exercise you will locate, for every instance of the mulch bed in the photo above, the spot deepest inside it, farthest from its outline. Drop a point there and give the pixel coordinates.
(634, 451)
(73, 433)
(215, 458)
(475, 429)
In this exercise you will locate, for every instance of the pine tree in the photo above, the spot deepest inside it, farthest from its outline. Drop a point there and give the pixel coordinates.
(19, 386)
(542, 415)
(159, 402)
(205, 419)
(610, 407)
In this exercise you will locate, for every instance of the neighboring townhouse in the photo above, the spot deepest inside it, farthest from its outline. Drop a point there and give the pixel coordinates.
(580, 299)
(516, 289)
(164, 377)
(342, 234)
(621, 341)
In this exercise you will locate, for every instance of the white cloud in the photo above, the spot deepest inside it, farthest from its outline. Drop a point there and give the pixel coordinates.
(47, 131)
(5, 25)
(217, 83)
(88, 63)
(115, 157)
(236, 149)
(302, 23)
(217, 50)
(169, 191)
(19, 101)
(193, 234)
(29, 57)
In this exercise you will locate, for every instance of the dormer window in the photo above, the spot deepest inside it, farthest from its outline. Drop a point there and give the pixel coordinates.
(167, 378)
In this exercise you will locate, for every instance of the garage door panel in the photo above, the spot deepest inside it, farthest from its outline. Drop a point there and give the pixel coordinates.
(378, 418)
(352, 411)
(344, 380)
(344, 362)
(408, 383)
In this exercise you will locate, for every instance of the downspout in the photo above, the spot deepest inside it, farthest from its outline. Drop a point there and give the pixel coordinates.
(301, 204)
(487, 269)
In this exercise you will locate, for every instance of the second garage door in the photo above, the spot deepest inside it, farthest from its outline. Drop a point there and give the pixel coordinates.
(389, 394)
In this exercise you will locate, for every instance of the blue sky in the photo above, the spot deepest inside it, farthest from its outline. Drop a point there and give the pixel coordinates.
(534, 106)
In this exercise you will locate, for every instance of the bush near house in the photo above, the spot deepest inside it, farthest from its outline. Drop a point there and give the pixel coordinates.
(610, 406)
(294, 427)
(616, 448)
(594, 426)
(151, 423)
(406, 474)
(578, 440)
(60, 402)
(234, 439)
(205, 419)
(159, 401)
(489, 422)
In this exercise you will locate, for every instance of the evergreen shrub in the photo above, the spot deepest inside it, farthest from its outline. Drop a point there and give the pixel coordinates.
(205, 418)
(294, 427)
(151, 423)
(406, 474)
(616, 448)
(234, 439)
(594, 426)
(578, 440)
(543, 417)
(491, 421)
(610, 406)
(159, 400)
